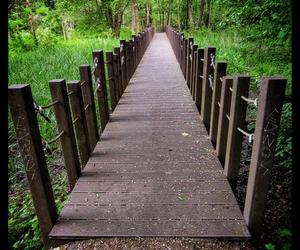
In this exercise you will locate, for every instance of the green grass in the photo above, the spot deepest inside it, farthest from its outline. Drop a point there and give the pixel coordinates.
(246, 56)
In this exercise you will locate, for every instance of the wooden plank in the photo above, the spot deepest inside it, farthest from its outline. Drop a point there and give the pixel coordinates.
(195, 53)
(223, 122)
(89, 104)
(240, 87)
(117, 50)
(99, 74)
(63, 117)
(123, 63)
(220, 71)
(151, 212)
(79, 121)
(208, 70)
(116, 78)
(211, 197)
(68, 229)
(271, 99)
(30, 145)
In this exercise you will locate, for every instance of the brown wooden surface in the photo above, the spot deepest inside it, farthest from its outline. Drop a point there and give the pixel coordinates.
(30, 145)
(267, 126)
(63, 117)
(154, 172)
(89, 104)
(223, 122)
(238, 108)
(79, 121)
(220, 72)
(198, 78)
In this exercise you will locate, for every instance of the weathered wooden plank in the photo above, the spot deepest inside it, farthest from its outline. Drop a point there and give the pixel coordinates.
(210, 197)
(66, 229)
(266, 130)
(30, 144)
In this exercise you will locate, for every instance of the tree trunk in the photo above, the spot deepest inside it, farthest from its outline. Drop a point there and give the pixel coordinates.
(201, 13)
(178, 16)
(189, 13)
(118, 18)
(207, 13)
(169, 12)
(163, 14)
(148, 13)
(135, 19)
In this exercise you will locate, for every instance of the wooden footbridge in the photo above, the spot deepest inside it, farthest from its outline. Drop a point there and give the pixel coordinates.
(168, 155)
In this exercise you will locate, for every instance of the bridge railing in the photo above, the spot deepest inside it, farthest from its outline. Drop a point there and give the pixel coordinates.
(222, 101)
(75, 111)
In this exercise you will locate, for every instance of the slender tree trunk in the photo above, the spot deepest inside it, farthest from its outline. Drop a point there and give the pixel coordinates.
(178, 16)
(201, 13)
(148, 13)
(163, 14)
(207, 13)
(189, 13)
(135, 19)
(169, 12)
(118, 18)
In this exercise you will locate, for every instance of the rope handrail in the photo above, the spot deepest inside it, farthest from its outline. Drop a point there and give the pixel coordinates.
(250, 136)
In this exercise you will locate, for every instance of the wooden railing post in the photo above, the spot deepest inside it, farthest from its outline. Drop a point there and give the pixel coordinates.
(118, 52)
(270, 103)
(62, 113)
(123, 62)
(237, 120)
(223, 122)
(220, 71)
(193, 70)
(117, 76)
(30, 144)
(188, 59)
(199, 78)
(79, 121)
(111, 80)
(208, 71)
(99, 74)
(184, 55)
(127, 58)
(89, 104)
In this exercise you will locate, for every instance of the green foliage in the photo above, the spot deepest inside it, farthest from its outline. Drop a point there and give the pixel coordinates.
(270, 246)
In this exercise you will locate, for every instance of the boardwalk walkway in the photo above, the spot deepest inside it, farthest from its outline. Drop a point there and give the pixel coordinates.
(154, 172)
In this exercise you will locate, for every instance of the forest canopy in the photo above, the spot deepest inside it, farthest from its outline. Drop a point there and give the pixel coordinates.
(34, 23)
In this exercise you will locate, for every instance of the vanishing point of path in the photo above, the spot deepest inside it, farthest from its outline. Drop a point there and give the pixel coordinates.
(154, 172)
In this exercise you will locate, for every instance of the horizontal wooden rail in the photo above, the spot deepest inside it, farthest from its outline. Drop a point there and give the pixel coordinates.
(222, 102)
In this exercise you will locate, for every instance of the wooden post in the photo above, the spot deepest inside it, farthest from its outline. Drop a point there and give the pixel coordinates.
(223, 122)
(62, 113)
(184, 54)
(188, 60)
(270, 102)
(89, 104)
(123, 63)
(199, 78)
(220, 71)
(237, 120)
(118, 73)
(193, 70)
(30, 145)
(101, 88)
(111, 80)
(79, 121)
(208, 70)
(127, 46)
